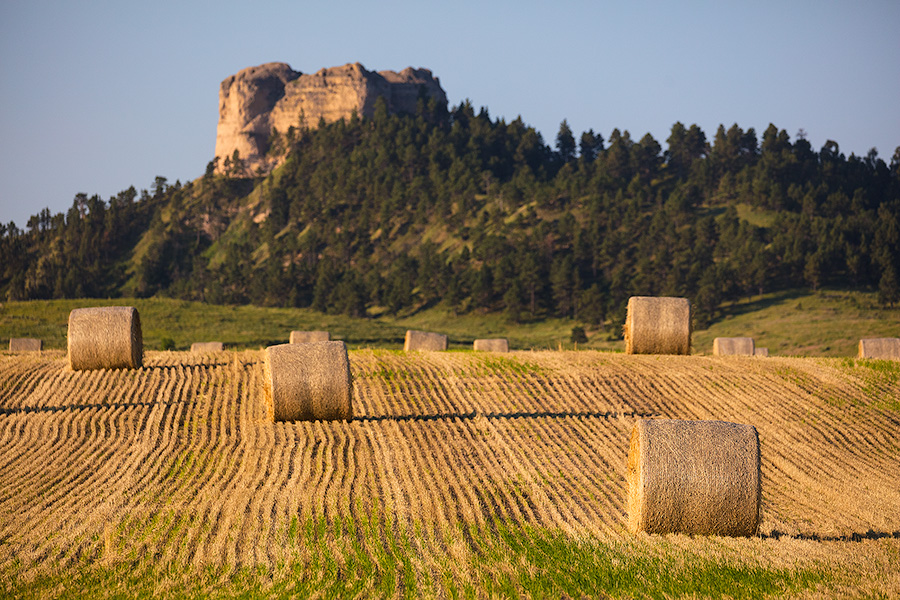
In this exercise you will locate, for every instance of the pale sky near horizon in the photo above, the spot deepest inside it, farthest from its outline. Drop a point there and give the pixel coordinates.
(103, 95)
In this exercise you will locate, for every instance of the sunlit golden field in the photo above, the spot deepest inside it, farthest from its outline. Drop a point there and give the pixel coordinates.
(461, 475)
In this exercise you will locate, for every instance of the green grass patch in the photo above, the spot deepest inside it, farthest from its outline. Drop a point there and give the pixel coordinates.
(803, 323)
(252, 327)
(504, 366)
(887, 370)
(342, 558)
(880, 379)
(756, 216)
(825, 323)
(654, 569)
(238, 327)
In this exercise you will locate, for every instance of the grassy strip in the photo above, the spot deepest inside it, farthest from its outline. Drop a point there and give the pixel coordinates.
(340, 558)
(650, 570)
(800, 323)
(239, 327)
(825, 323)
(251, 327)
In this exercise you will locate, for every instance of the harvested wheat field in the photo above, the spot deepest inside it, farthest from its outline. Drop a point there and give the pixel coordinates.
(460, 475)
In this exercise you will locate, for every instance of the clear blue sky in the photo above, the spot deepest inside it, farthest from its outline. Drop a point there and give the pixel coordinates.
(97, 96)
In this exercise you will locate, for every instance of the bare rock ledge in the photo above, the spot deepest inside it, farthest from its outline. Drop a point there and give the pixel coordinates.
(259, 99)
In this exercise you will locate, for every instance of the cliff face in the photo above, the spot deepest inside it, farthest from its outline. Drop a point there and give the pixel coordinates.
(258, 99)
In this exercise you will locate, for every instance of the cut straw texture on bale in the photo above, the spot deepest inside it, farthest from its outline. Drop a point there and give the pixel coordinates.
(425, 341)
(492, 345)
(764, 352)
(658, 326)
(307, 382)
(733, 346)
(203, 347)
(305, 337)
(693, 477)
(883, 348)
(107, 337)
(25, 345)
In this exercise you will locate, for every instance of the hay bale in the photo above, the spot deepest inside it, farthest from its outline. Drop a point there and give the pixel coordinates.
(25, 345)
(658, 326)
(305, 337)
(307, 382)
(883, 348)
(693, 477)
(764, 352)
(107, 337)
(424, 341)
(733, 346)
(204, 347)
(491, 345)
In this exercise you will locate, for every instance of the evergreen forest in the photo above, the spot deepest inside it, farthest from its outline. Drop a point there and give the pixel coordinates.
(398, 213)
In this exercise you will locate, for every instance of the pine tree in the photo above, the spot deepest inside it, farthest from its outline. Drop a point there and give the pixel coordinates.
(888, 287)
(512, 301)
(562, 285)
(565, 142)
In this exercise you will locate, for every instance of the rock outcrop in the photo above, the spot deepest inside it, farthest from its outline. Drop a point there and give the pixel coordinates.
(258, 100)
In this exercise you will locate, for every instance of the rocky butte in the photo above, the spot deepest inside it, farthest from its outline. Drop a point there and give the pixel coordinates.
(258, 100)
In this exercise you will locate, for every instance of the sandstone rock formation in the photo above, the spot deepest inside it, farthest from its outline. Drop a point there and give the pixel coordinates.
(257, 100)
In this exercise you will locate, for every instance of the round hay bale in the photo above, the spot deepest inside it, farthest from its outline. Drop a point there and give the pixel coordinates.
(307, 382)
(693, 477)
(424, 341)
(658, 326)
(305, 337)
(882, 348)
(25, 345)
(733, 346)
(764, 352)
(107, 337)
(491, 345)
(204, 347)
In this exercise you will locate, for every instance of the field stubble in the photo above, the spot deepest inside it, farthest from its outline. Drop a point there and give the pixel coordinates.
(461, 474)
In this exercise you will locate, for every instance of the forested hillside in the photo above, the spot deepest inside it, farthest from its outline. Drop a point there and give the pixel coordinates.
(399, 212)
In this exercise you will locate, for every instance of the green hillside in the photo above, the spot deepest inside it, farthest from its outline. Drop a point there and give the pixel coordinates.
(404, 214)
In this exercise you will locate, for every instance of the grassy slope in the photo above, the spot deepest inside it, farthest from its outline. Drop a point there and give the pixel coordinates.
(827, 323)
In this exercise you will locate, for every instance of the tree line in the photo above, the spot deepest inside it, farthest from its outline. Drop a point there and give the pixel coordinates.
(400, 212)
